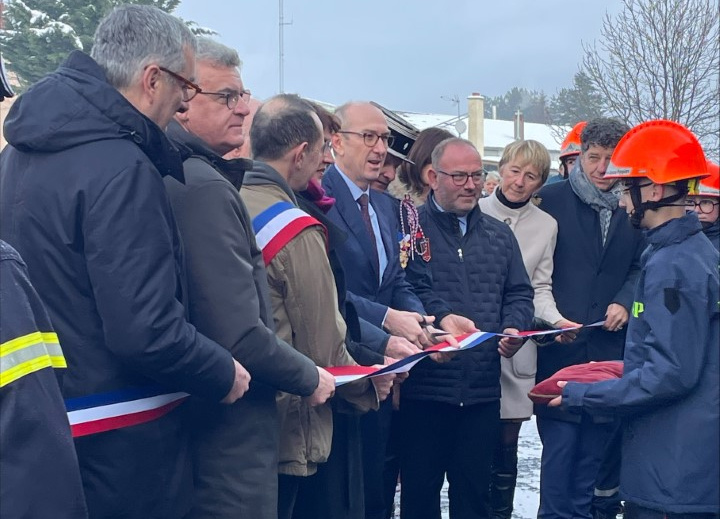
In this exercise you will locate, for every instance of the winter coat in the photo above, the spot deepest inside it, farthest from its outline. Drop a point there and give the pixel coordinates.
(234, 447)
(39, 473)
(713, 233)
(83, 201)
(305, 309)
(481, 276)
(587, 278)
(669, 394)
(536, 233)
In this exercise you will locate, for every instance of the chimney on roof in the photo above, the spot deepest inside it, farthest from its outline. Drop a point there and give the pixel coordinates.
(519, 126)
(476, 121)
(494, 112)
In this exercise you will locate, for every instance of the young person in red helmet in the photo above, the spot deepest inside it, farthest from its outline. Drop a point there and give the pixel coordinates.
(669, 394)
(704, 199)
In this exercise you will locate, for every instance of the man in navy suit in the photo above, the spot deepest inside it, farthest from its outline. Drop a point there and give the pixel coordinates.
(370, 256)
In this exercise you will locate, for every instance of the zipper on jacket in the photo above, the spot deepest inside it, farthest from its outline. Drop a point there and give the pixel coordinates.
(460, 254)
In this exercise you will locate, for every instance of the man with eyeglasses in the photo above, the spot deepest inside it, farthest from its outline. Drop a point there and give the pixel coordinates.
(704, 199)
(235, 448)
(475, 279)
(84, 203)
(376, 283)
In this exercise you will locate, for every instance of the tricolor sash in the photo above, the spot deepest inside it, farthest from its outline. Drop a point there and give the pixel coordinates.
(108, 411)
(277, 225)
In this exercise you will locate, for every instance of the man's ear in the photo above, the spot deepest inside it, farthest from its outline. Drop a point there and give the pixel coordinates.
(150, 80)
(432, 178)
(337, 144)
(300, 153)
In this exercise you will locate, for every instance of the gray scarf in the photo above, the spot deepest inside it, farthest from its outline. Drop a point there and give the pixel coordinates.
(604, 202)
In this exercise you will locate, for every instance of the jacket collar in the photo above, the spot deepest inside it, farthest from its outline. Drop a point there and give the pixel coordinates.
(262, 174)
(190, 145)
(449, 221)
(674, 231)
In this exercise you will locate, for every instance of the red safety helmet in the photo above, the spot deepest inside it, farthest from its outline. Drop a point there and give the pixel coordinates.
(572, 145)
(710, 185)
(662, 151)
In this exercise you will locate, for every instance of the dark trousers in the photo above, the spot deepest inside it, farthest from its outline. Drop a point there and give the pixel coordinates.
(375, 428)
(606, 496)
(633, 511)
(440, 440)
(335, 491)
(571, 456)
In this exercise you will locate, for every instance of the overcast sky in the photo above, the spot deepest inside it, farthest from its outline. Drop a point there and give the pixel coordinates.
(405, 54)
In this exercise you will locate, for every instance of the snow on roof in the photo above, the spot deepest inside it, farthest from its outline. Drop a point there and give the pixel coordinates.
(497, 133)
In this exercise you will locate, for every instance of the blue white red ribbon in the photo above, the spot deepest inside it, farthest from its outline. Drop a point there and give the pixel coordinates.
(108, 411)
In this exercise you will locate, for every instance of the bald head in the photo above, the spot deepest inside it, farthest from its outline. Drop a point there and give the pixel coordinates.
(361, 144)
(282, 123)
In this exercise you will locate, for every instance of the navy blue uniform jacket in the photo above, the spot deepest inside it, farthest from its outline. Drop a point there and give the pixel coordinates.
(669, 393)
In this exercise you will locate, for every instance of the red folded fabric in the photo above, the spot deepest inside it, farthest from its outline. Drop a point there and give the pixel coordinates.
(548, 389)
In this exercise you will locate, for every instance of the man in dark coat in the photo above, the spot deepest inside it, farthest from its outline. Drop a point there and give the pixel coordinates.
(377, 287)
(472, 277)
(596, 267)
(235, 448)
(82, 199)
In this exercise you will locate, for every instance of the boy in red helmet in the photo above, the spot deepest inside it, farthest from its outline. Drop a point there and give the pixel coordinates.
(669, 394)
(704, 199)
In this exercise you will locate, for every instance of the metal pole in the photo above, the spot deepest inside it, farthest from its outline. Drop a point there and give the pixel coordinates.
(281, 26)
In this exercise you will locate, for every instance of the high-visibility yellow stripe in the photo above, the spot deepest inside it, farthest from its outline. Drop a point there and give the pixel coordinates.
(27, 354)
(27, 340)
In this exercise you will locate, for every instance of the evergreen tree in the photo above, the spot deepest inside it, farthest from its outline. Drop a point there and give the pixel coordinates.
(533, 104)
(39, 34)
(582, 102)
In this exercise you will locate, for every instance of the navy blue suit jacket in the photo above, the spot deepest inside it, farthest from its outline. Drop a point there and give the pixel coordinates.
(370, 300)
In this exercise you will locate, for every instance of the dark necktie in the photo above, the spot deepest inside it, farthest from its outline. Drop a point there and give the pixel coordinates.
(363, 201)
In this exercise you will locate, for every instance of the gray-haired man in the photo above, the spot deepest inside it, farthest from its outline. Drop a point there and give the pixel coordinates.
(82, 198)
(235, 448)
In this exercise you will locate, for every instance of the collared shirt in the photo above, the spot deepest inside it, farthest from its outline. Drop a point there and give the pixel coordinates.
(356, 193)
(462, 220)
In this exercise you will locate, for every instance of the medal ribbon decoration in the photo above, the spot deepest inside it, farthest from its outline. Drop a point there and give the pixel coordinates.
(412, 238)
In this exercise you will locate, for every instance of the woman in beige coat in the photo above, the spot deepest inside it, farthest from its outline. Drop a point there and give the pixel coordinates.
(524, 168)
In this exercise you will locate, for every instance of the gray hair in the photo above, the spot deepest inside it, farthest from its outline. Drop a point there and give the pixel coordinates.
(131, 37)
(603, 132)
(493, 175)
(217, 53)
(437, 154)
(280, 124)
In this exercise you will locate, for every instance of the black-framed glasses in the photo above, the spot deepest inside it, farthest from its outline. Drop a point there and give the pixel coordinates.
(625, 188)
(460, 178)
(189, 89)
(371, 138)
(705, 206)
(231, 98)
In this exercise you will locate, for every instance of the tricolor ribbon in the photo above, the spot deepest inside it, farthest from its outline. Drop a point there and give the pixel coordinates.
(108, 411)
(345, 374)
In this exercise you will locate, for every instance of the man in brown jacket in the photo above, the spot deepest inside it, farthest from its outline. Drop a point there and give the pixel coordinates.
(286, 138)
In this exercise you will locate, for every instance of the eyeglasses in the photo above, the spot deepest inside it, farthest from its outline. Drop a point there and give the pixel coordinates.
(189, 89)
(460, 179)
(705, 206)
(370, 138)
(231, 98)
(625, 188)
(327, 146)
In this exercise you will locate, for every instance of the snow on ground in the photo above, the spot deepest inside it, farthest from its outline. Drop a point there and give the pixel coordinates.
(528, 486)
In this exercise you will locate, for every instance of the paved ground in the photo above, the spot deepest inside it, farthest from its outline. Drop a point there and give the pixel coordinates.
(527, 491)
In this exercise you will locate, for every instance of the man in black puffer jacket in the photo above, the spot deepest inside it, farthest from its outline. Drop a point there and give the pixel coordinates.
(474, 269)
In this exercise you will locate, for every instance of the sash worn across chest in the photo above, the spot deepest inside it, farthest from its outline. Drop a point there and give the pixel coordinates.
(277, 225)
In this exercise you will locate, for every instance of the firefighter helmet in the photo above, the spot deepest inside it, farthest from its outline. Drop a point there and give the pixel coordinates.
(571, 144)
